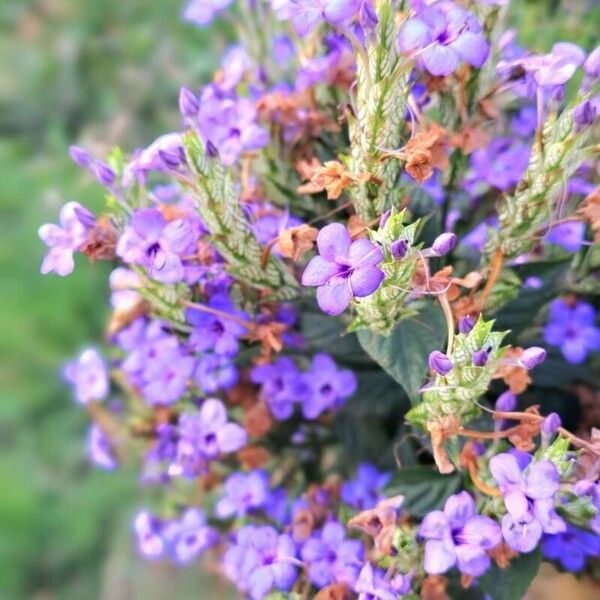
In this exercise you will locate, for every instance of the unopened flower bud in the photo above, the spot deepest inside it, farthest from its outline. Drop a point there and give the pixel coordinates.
(584, 487)
(591, 66)
(584, 114)
(466, 324)
(188, 103)
(480, 358)
(444, 243)
(170, 159)
(551, 423)
(104, 174)
(399, 248)
(80, 156)
(384, 218)
(506, 402)
(532, 357)
(440, 363)
(211, 149)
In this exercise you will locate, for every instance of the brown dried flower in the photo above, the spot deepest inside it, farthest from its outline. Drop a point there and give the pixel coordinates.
(332, 177)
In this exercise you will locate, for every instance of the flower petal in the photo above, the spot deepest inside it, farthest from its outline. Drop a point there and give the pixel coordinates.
(365, 280)
(439, 556)
(505, 470)
(333, 298)
(542, 480)
(440, 60)
(319, 271)
(472, 48)
(413, 35)
(472, 560)
(334, 242)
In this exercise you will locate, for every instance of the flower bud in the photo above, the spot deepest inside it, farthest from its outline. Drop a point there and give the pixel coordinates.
(384, 218)
(584, 487)
(584, 114)
(211, 150)
(551, 423)
(591, 66)
(170, 159)
(399, 248)
(480, 358)
(80, 156)
(506, 402)
(104, 174)
(440, 363)
(466, 324)
(532, 357)
(188, 103)
(444, 243)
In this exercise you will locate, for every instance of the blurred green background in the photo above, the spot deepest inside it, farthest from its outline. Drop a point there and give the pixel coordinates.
(97, 73)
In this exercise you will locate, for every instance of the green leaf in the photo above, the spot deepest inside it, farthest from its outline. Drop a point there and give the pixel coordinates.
(404, 353)
(514, 581)
(424, 488)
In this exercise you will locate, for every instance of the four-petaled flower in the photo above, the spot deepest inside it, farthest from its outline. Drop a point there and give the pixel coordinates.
(343, 268)
(88, 376)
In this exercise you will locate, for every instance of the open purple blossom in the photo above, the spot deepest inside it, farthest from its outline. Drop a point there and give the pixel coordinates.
(215, 332)
(153, 242)
(328, 386)
(282, 386)
(373, 584)
(261, 559)
(202, 12)
(331, 557)
(529, 494)
(214, 372)
(65, 239)
(203, 436)
(343, 268)
(148, 531)
(572, 548)
(99, 449)
(458, 536)
(570, 235)
(189, 536)
(573, 329)
(244, 493)
(166, 377)
(88, 376)
(441, 36)
(364, 492)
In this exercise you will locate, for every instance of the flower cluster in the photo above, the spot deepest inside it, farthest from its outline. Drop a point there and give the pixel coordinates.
(410, 170)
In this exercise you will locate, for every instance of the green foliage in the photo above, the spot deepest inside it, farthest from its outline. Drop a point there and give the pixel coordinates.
(404, 353)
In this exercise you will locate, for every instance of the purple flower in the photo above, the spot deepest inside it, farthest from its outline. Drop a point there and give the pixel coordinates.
(328, 387)
(152, 158)
(441, 35)
(466, 324)
(282, 386)
(529, 499)
(344, 269)
(269, 225)
(440, 363)
(550, 424)
(480, 358)
(572, 547)
(506, 402)
(364, 492)
(532, 357)
(373, 584)
(331, 557)
(156, 244)
(444, 243)
(63, 240)
(572, 328)
(147, 529)
(556, 67)
(202, 12)
(166, 376)
(260, 560)
(569, 235)
(203, 436)
(188, 102)
(99, 449)
(190, 536)
(398, 249)
(244, 493)
(308, 14)
(215, 372)
(525, 121)
(216, 332)
(458, 536)
(88, 376)
(500, 164)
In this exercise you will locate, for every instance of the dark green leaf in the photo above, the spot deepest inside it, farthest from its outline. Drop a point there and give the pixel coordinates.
(512, 583)
(423, 487)
(404, 353)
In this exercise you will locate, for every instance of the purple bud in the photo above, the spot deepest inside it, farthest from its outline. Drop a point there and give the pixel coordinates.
(80, 156)
(211, 150)
(551, 423)
(480, 358)
(506, 402)
(170, 159)
(399, 248)
(384, 218)
(188, 103)
(444, 243)
(440, 363)
(592, 64)
(532, 357)
(583, 487)
(367, 17)
(466, 324)
(584, 114)
(104, 174)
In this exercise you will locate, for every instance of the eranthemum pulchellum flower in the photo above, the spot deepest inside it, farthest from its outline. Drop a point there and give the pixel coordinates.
(88, 376)
(442, 35)
(343, 269)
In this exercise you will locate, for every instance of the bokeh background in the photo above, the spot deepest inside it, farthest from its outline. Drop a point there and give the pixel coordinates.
(101, 73)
